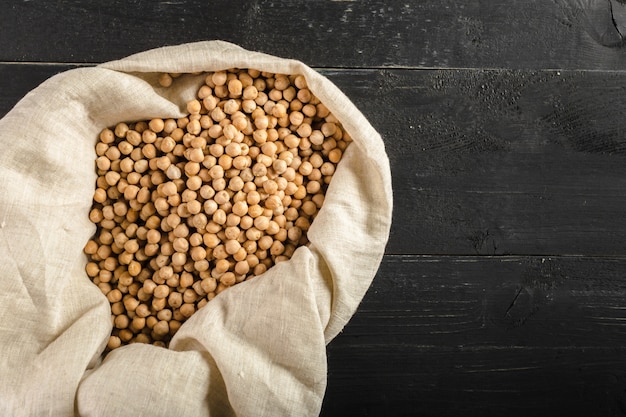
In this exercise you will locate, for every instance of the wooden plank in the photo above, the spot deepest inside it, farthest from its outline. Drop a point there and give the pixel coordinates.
(485, 162)
(500, 162)
(518, 336)
(499, 300)
(405, 380)
(16, 80)
(534, 34)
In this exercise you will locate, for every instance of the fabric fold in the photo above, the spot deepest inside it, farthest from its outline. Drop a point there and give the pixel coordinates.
(257, 349)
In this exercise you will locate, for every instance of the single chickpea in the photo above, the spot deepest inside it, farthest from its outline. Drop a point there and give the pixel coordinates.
(187, 310)
(112, 178)
(137, 324)
(304, 130)
(313, 187)
(304, 95)
(156, 125)
(190, 296)
(235, 88)
(151, 321)
(186, 280)
(148, 136)
(232, 246)
(198, 253)
(103, 163)
(159, 304)
(125, 335)
(182, 245)
(179, 259)
(122, 321)
(130, 303)
(217, 114)
(165, 80)
(228, 279)
(194, 107)
(101, 148)
(219, 78)
(300, 193)
(329, 129)
(204, 92)
(248, 106)
(309, 110)
(121, 129)
(174, 326)
(169, 189)
(250, 93)
(134, 268)
(281, 82)
(114, 296)
(175, 299)
(114, 342)
(277, 248)
(161, 328)
(270, 187)
(208, 285)
(165, 314)
(296, 118)
(327, 169)
(335, 155)
(149, 286)
(164, 273)
(113, 153)
(294, 234)
(265, 242)
(300, 82)
(194, 207)
(194, 183)
(131, 246)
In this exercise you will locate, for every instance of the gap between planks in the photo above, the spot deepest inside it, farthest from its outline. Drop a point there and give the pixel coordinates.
(354, 68)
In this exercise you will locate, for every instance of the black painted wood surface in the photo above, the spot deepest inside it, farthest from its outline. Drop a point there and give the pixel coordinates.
(562, 34)
(503, 288)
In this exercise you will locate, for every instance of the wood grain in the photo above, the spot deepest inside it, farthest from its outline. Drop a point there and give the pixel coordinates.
(495, 300)
(406, 380)
(500, 162)
(16, 80)
(489, 336)
(503, 285)
(534, 34)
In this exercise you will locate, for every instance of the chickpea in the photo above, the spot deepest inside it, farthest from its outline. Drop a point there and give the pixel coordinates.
(186, 208)
(175, 299)
(187, 310)
(114, 342)
(165, 80)
(161, 328)
(194, 107)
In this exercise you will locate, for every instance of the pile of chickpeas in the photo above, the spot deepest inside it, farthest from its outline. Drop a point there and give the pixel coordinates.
(186, 208)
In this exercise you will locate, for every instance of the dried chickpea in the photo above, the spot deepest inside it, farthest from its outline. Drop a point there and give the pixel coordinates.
(161, 328)
(165, 80)
(188, 207)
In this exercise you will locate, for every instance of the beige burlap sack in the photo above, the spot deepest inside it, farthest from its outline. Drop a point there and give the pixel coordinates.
(258, 349)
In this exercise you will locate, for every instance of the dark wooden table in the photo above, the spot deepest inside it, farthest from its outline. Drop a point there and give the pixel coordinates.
(502, 289)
